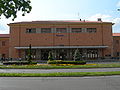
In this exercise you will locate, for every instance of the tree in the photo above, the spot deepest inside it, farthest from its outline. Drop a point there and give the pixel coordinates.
(77, 55)
(9, 8)
(50, 57)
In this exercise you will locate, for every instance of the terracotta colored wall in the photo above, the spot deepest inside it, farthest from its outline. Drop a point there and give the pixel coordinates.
(4, 49)
(19, 37)
(108, 39)
(86, 39)
(116, 45)
(14, 41)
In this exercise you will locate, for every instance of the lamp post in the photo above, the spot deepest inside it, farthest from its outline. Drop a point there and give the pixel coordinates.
(29, 54)
(119, 53)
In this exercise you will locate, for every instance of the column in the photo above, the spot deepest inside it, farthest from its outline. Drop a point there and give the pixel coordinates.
(68, 54)
(100, 51)
(84, 53)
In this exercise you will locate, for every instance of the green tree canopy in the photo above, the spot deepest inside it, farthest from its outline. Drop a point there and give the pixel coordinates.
(50, 56)
(9, 8)
(77, 55)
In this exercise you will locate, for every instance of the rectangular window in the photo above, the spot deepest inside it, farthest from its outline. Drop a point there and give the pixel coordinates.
(76, 30)
(3, 43)
(91, 30)
(31, 30)
(84, 29)
(61, 30)
(45, 30)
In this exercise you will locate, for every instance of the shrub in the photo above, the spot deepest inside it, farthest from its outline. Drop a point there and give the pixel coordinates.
(66, 62)
(54, 62)
(18, 63)
(77, 55)
(33, 63)
(50, 57)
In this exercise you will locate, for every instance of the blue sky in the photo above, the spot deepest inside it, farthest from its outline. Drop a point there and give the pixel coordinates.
(69, 10)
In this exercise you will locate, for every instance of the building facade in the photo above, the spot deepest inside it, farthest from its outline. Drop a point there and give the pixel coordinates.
(62, 38)
(116, 44)
(4, 45)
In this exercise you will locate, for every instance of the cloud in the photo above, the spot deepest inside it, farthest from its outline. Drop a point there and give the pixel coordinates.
(4, 28)
(116, 20)
(107, 18)
(118, 4)
(116, 26)
(4, 31)
(102, 16)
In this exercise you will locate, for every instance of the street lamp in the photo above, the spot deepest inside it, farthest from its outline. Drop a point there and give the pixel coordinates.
(29, 54)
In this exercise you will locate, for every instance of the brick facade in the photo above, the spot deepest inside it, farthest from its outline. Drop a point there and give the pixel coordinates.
(116, 44)
(93, 39)
(4, 45)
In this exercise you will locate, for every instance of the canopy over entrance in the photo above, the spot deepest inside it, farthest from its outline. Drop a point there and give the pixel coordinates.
(59, 47)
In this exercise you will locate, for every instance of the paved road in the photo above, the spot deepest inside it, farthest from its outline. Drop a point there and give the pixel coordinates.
(60, 83)
(57, 70)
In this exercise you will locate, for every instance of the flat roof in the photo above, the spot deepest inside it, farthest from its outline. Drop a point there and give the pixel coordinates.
(59, 21)
(60, 47)
(116, 34)
(4, 35)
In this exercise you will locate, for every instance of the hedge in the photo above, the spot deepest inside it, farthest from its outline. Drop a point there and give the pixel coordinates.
(18, 63)
(66, 62)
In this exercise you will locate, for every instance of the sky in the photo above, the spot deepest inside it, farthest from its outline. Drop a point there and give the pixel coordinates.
(69, 10)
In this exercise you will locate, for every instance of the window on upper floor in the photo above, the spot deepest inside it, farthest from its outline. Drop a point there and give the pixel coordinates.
(61, 30)
(31, 30)
(45, 30)
(76, 30)
(91, 30)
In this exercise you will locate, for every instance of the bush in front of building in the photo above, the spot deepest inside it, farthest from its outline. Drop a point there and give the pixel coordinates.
(77, 55)
(50, 56)
(54, 62)
(66, 62)
(19, 63)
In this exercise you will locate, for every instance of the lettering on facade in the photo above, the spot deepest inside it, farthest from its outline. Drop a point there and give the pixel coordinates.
(59, 35)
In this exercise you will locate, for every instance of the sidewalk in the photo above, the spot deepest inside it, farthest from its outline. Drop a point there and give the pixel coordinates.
(57, 70)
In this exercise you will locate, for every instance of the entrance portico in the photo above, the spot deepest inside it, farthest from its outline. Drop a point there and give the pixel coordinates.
(62, 52)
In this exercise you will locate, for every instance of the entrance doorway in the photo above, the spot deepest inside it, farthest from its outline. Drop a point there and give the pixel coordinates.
(44, 54)
(61, 54)
(92, 53)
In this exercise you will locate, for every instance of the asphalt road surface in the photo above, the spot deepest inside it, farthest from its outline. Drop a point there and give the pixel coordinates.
(57, 70)
(60, 83)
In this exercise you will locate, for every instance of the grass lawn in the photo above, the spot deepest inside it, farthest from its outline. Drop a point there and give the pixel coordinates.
(42, 66)
(60, 74)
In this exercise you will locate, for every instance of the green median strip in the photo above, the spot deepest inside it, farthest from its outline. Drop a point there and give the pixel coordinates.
(113, 65)
(60, 74)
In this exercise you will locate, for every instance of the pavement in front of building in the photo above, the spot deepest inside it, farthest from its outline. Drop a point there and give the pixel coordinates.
(57, 70)
(60, 83)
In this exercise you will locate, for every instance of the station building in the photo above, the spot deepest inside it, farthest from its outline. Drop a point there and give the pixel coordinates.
(116, 44)
(62, 38)
(4, 45)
